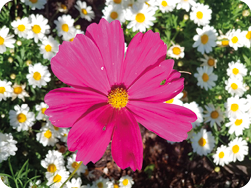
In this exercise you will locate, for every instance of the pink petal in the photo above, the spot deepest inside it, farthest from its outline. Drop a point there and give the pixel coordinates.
(109, 38)
(66, 105)
(144, 50)
(79, 64)
(127, 147)
(92, 134)
(169, 121)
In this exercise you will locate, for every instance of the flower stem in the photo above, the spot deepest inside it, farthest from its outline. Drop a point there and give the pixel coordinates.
(72, 174)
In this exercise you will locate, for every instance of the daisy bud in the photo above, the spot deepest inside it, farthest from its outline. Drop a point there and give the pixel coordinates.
(240, 5)
(186, 17)
(245, 13)
(19, 43)
(10, 59)
(13, 76)
(217, 169)
(2, 115)
(28, 62)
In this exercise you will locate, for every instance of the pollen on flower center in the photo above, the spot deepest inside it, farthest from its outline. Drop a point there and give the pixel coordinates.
(43, 110)
(204, 39)
(238, 122)
(205, 77)
(234, 39)
(17, 90)
(248, 35)
(176, 51)
(37, 76)
(210, 62)
(115, 186)
(235, 71)
(1, 40)
(214, 114)
(65, 27)
(52, 168)
(2, 90)
(125, 182)
(48, 48)
(199, 15)
(234, 107)
(57, 178)
(48, 134)
(114, 15)
(140, 17)
(170, 101)
(74, 165)
(235, 149)
(36, 29)
(234, 86)
(164, 3)
(33, 1)
(117, 1)
(225, 42)
(100, 185)
(21, 118)
(118, 98)
(84, 11)
(202, 141)
(21, 28)
(221, 154)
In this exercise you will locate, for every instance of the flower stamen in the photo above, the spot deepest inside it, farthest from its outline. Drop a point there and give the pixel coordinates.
(118, 98)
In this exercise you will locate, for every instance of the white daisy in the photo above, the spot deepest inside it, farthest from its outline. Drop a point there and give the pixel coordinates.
(223, 40)
(72, 164)
(57, 179)
(208, 61)
(238, 124)
(185, 4)
(114, 12)
(112, 184)
(126, 182)
(140, 18)
(197, 110)
(176, 100)
(236, 107)
(85, 11)
(5, 89)
(247, 37)
(46, 136)
(64, 26)
(35, 4)
(21, 27)
(58, 132)
(235, 86)
(5, 39)
(205, 40)
(34, 184)
(73, 34)
(166, 5)
(221, 156)
(39, 27)
(89, 174)
(236, 39)
(64, 134)
(41, 109)
(201, 14)
(49, 47)
(75, 183)
(206, 77)
(20, 118)
(238, 149)
(53, 162)
(38, 75)
(203, 142)
(19, 91)
(176, 51)
(213, 115)
(236, 69)
(62, 7)
(7, 146)
(101, 182)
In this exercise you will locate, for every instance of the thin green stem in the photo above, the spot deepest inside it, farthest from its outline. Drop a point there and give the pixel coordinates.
(76, 19)
(173, 39)
(72, 174)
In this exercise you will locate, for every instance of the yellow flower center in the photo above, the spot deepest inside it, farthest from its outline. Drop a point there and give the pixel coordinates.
(199, 15)
(36, 29)
(37, 76)
(48, 48)
(234, 107)
(140, 17)
(204, 39)
(214, 114)
(202, 141)
(221, 154)
(56, 128)
(21, 28)
(211, 62)
(74, 165)
(52, 168)
(48, 134)
(125, 182)
(57, 178)
(43, 110)
(114, 15)
(238, 122)
(1, 40)
(234, 39)
(84, 11)
(86, 172)
(248, 35)
(100, 185)
(234, 86)
(176, 50)
(21, 118)
(164, 3)
(115, 186)
(33, 1)
(205, 77)
(71, 39)
(17, 90)
(117, 1)
(118, 98)
(65, 27)
(2, 90)
(235, 148)
(235, 71)
(170, 101)
(63, 6)
(225, 42)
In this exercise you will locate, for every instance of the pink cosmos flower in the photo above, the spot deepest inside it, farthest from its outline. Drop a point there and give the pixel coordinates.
(110, 94)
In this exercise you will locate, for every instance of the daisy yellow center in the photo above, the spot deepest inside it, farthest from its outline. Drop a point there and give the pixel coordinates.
(48, 48)
(48, 134)
(238, 122)
(100, 185)
(221, 154)
(36, 29)
(202, 142)
(55, 128)
(21, 27)
(33, 1)
(71, 39)
(164, 3)
(176, 50)
(115, 186)
(248, 35)
(118, 98)
(84, 11)
(234, 39)
(210, 62)
(63, 6)
(2, 90)
(43, 110)
(205, 77)
(52, 168)
(17, 90)
(140, 17)
(214, 114)
(225, 42)
(65, 27)
(199, 15)
(37, 76)
(170, 101)
(117, 1)
(74, 165)
(204, 39)
(235, 71)
(57, 178)
(234, 86)
(1, 40)
(21, 118)
(114, 15)
(235, 148)
(125, 182)
(234, 107)
(86, 172)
